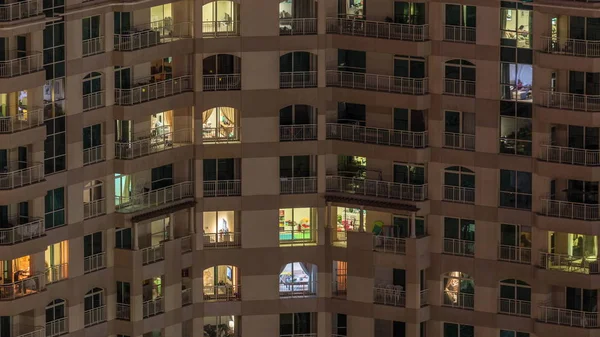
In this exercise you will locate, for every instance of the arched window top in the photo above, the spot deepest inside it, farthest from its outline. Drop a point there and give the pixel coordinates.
(92, 75)
(58, 301)
(514, 282)
(94, 291)
(460, 62)
(298, 279)
(459, 169)
(458, 274)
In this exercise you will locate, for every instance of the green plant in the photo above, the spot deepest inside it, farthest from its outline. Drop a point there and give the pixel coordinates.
(221, 330)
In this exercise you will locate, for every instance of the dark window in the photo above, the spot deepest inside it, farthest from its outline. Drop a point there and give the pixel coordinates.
(352, 60)
(92, 244)
(515, 189)
(54, 208)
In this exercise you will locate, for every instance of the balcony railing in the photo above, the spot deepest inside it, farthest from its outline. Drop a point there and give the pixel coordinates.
(223, 188)
(339, 288)
(23, 330)
(123, 311)
(514, 254)
(388, 244)
(460, 34)
(20, 10)
(22, 121)
(154, 198)
(153, 307)
(459, 141)
(149, 90)
(298, 132)
(93, 155)
(57, 327)
(514, 307)
(298, 79)
(57, 273)
(153, 254)
(220, 28)
(459, 87)
(298, 26)
(23, 287)
(94, 208)
(459, 194)
(424, 297)
(150, 144)
(376, 188)
(297, 289)
(369, 135)
(152, 34)
(20, 63)
(298, 185)
(570, 210)
(226, 292)
(186, 244)
(221, 134)
(17, 174)
(222, 240)
(459, 247)
(570, 155)
(93, 101)
(92, 46)
(94, 316)
(222, 82)
(186, 296)
(571, 47)
(457, 299)
(22, 229)
(567, 317)
(94, 262)
(377, 29)
(389, 295)
(568, 101)
(569, 263)
(374, 82)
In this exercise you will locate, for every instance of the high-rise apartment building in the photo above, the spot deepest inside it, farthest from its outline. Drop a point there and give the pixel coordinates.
(331, 168)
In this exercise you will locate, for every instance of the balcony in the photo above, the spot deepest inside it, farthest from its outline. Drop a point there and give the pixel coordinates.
(424, 297)
(154, 198)
(94, 262)
(388, 244)
(26, 286)
(389, 295)
(223, 188)
(570, 155)
(376, 188)
(460, 34)
(22, 121)
(20, 10)
(56, 327)
(20, 229)
(94, 316)
(374, 82)
(514, 254)
(93, 46)
(222, 240)
(298, 26)
(459, 300)
(94, 208)
(21, 330)
(379, 136)
(147, 89)
(221, 135)
(123, 311)
(18, 174)
(567, 317)
(569, 263)
(93, 101)
(186, 296)
(298, 79)
(514, 307)
(152, 142)
(459, 141)
(297, 132)
(465, 195)
(153, 34)
(20, 63)
(377, 29)
(93, 155)
(220, 28)
(57, 273)
(459, 87)
(570, 210)
(186, 244)
(298, 185)
(222, 82)
(153, 254)
(153, 307)
(570, 47)
(339, 289)
(220, 293)
(568, 101)
(459, 247)
(297, 289)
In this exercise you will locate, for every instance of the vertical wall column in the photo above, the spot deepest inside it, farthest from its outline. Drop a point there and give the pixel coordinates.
(413, 225)
(362, 219)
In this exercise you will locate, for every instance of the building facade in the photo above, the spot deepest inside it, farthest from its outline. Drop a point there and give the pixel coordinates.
(359, 168)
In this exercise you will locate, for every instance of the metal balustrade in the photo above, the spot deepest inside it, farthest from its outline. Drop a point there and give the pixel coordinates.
(149, 144)
(297, 289)
(24, 330)
(17, 174)
(19, 63)
(459, 87)
(93, 101)
(514, 254)
(569, 263)
(298, 79)
(152, 34)
(567, 317)
(94, 208)
(221, 134)
(297, 26)
(514, 307)
(298, 132)
(222, 292)
(568, 101)
(92, 46)
(460, 34)
(57, 327)
(186, 244)
(339, 288)
(424, 297)
(148, 89)
(224, 28)
(570, 210)
(186, 296)
(153, 254)
(222, 240)
(377, 29)
(298, 185)
(222, 82)
(223, 188)
(153, 198)
(459, 141)
(94, 316)
(22, 121)
(57, 273)
(376, 188)
(459, 247)
(19, 229)
(93, 155)
(380, 136)
(570, 47)
(388, 244)
(123, 311)
(458, 194)
(27, 286)
(457, 299)
(389, 295)
(570, 155)
(20, 10)
(374, 82)
(153, 307)
(94, 262)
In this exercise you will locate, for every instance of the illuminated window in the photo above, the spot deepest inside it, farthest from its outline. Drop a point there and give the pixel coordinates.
(297, 224)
